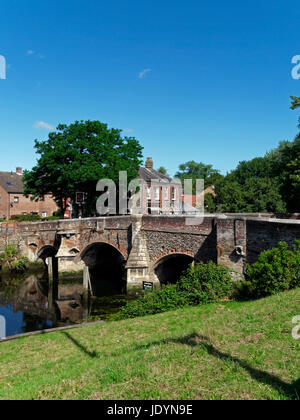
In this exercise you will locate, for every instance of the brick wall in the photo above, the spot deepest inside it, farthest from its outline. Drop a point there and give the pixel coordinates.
(22, 205)
(264, 235)
(4, 203)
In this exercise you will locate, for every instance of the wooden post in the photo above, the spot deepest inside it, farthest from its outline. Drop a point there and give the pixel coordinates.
(52, 282)
(86, 279)
(87, 287)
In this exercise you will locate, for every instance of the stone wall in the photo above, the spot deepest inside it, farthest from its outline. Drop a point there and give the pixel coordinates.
(146, 241)
(263, 235)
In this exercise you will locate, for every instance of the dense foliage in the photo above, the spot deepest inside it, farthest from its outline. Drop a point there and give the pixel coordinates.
(263, 184)
(12, 259)
(276, 270)
(200, 284)
(194, 170)
(32, 218)
(76, 157)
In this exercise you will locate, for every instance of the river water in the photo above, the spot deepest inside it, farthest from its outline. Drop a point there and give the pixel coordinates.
(27, 304)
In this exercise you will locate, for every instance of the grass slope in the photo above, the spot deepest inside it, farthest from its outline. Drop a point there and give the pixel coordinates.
(220, 351)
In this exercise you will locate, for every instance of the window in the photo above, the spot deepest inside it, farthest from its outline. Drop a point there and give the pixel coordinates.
(16, 199)
(148, 193)
(44, 214)
(167, 194)
(174, 194)
(157, 191)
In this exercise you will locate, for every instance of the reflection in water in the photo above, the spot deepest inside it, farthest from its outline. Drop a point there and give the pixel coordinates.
(28, 304)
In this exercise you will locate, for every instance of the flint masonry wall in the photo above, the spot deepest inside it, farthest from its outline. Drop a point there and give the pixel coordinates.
(262, 235)
(145, 241)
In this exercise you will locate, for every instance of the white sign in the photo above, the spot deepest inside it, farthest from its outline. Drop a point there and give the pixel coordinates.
(2, 327)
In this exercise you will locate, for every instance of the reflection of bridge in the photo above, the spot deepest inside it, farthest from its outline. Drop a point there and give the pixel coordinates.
(149, 248)
(60, 304)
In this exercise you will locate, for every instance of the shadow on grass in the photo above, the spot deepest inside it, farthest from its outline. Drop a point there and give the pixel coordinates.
(291, 391)
(91, 354)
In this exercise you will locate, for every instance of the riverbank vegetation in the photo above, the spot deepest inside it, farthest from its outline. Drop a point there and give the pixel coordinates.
(200, 284)
(229, 350)
(276, 270)
(12, 260)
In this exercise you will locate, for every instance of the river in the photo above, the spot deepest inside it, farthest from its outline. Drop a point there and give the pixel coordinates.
(26, 304)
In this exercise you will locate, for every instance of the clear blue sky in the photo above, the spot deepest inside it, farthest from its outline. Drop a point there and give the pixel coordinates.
(202, 80)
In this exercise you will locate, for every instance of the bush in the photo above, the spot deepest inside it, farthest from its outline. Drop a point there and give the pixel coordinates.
(276, 270)
(26, 218)
(163, 300)
(12, 259)
(206, 283)
(200, 284)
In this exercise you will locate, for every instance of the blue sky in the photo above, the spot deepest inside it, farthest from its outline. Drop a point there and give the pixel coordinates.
(208, 81)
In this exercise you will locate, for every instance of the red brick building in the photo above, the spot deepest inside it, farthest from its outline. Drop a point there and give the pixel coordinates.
(160, 194)
(13, 202)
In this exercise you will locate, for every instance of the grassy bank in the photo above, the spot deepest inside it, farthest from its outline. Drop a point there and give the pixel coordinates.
(236, 350)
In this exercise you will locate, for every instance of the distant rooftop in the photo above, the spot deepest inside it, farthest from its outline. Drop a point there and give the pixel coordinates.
(12, 182)
(148, 173)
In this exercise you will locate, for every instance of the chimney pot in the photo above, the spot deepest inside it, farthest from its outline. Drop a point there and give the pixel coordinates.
(149, 163)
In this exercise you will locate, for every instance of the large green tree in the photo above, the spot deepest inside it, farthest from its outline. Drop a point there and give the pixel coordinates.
(198, 170)
(76, 156)
(253, 195)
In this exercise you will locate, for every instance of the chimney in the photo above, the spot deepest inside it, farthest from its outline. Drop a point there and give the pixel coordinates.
(149, 164)
(19, 171)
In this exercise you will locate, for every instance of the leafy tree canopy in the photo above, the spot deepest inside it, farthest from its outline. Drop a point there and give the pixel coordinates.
(76, 156)
(163, 170)
(295, 102)
(193, 170)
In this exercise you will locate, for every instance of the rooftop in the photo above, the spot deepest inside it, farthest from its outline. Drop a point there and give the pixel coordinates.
(148, 173)
(11, 182)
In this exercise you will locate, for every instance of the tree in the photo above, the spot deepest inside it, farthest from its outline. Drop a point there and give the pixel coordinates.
(75, 157)
(295, 102)
(163, 171)
(193, 170)
(256, 195)
(260, 167)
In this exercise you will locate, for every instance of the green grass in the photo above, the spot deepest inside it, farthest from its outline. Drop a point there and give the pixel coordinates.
(235, 350)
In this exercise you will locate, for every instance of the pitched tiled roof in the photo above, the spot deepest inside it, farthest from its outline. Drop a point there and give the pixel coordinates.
(11, 182)
(149, 174)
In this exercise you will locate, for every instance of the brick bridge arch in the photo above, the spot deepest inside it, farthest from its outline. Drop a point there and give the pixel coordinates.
(46, 251)
(144, 240)
(105, 265)
(169, 266)
(87, 247)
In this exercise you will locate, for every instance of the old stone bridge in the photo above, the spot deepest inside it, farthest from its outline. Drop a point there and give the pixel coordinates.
(135, 249)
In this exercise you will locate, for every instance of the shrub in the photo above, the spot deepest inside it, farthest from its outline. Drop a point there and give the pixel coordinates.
(50, 218)
(206, 283)
(275, 271)
(26, 218)
(12, 259)
(166, 299)
(200, 284)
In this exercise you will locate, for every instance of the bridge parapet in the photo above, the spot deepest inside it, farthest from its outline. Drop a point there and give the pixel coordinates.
(145, 242)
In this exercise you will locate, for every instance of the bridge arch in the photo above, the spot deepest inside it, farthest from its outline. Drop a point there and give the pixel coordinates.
(106, 265)
(45, 252)
(169, 267)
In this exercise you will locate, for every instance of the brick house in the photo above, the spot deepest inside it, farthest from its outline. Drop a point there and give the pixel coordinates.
(13, 202)
(164, 195)
(160, 194)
